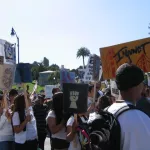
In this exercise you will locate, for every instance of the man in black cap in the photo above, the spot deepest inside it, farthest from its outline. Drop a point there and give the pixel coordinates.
(135, 125)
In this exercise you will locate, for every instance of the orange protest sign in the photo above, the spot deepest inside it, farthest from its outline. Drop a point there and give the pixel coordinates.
(136, 52)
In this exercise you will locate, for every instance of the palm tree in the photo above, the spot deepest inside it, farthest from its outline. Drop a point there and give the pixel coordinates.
(83, 52)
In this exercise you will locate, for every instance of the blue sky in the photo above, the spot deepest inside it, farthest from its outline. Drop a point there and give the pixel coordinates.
(56, 29)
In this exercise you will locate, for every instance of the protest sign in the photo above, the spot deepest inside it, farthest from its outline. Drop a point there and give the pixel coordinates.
(96, 67)
(89, 69)
(93, 69)
(75, 97)
(8, 51)
(7, 73)
(114, 90)
(136, 52)
(7, 64)
(81, 73)
(66, 77)
(23, 73)
(48, 90)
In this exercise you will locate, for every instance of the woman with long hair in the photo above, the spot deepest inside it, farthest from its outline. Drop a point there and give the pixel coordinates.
(6, 132)
(24, 125)
(56, 123)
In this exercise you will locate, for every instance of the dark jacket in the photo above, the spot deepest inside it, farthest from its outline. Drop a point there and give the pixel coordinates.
(144, 105)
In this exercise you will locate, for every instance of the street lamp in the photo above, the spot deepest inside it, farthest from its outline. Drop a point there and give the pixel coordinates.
(13, 33)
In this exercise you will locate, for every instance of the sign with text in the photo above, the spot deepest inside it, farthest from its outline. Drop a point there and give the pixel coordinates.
(93, 68)
(136, 52)
(96, 67)
(75, 97)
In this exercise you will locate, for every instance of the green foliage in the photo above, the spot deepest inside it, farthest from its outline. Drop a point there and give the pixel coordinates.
(53, 67)
(54, 78)
(31, 85)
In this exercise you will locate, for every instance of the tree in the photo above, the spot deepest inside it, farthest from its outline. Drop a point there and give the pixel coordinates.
(45, 62)
(54, 78)
(54, 67)
(83, 52)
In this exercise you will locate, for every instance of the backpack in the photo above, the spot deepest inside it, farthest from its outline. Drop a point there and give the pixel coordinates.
(103, 132)
(83, 133)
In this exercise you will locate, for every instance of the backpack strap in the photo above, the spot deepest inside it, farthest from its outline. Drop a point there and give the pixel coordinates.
(124, 109)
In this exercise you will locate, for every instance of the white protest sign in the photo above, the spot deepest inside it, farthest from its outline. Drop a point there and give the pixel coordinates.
(8, 51)
(89, 69)
(93, 69)
(48, 90)
(114, 90)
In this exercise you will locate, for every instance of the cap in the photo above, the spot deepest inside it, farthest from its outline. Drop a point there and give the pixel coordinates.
(128, 76)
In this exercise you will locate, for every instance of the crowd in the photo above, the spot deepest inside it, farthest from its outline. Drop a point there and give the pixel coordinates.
(26, 123)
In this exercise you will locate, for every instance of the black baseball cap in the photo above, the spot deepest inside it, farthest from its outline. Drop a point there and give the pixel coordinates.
(128, 76)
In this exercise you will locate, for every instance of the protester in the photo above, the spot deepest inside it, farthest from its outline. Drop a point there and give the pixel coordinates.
(56, 123)
(24, 125)
(135, 125)
(103, 102)
(6, 132)
(90, 102)
(12, 94)
(55, 90)
(40, 113)
(144, 103)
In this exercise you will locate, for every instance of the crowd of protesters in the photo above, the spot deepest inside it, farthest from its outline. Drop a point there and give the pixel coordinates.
(26, 123)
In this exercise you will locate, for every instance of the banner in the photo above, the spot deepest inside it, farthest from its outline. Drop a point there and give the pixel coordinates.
(66, 77)
(136, 52)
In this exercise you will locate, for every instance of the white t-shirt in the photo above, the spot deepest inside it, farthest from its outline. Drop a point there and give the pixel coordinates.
(72, 147)
(62, 133)
(6, 132)
(135, 128)
(31, 130)
(19, 137)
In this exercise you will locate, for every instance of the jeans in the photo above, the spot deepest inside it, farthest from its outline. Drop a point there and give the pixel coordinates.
(7, 145)
(23, 73)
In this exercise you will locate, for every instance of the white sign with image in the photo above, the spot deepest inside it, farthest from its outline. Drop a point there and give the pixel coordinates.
(7, 64)
(114, 90)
